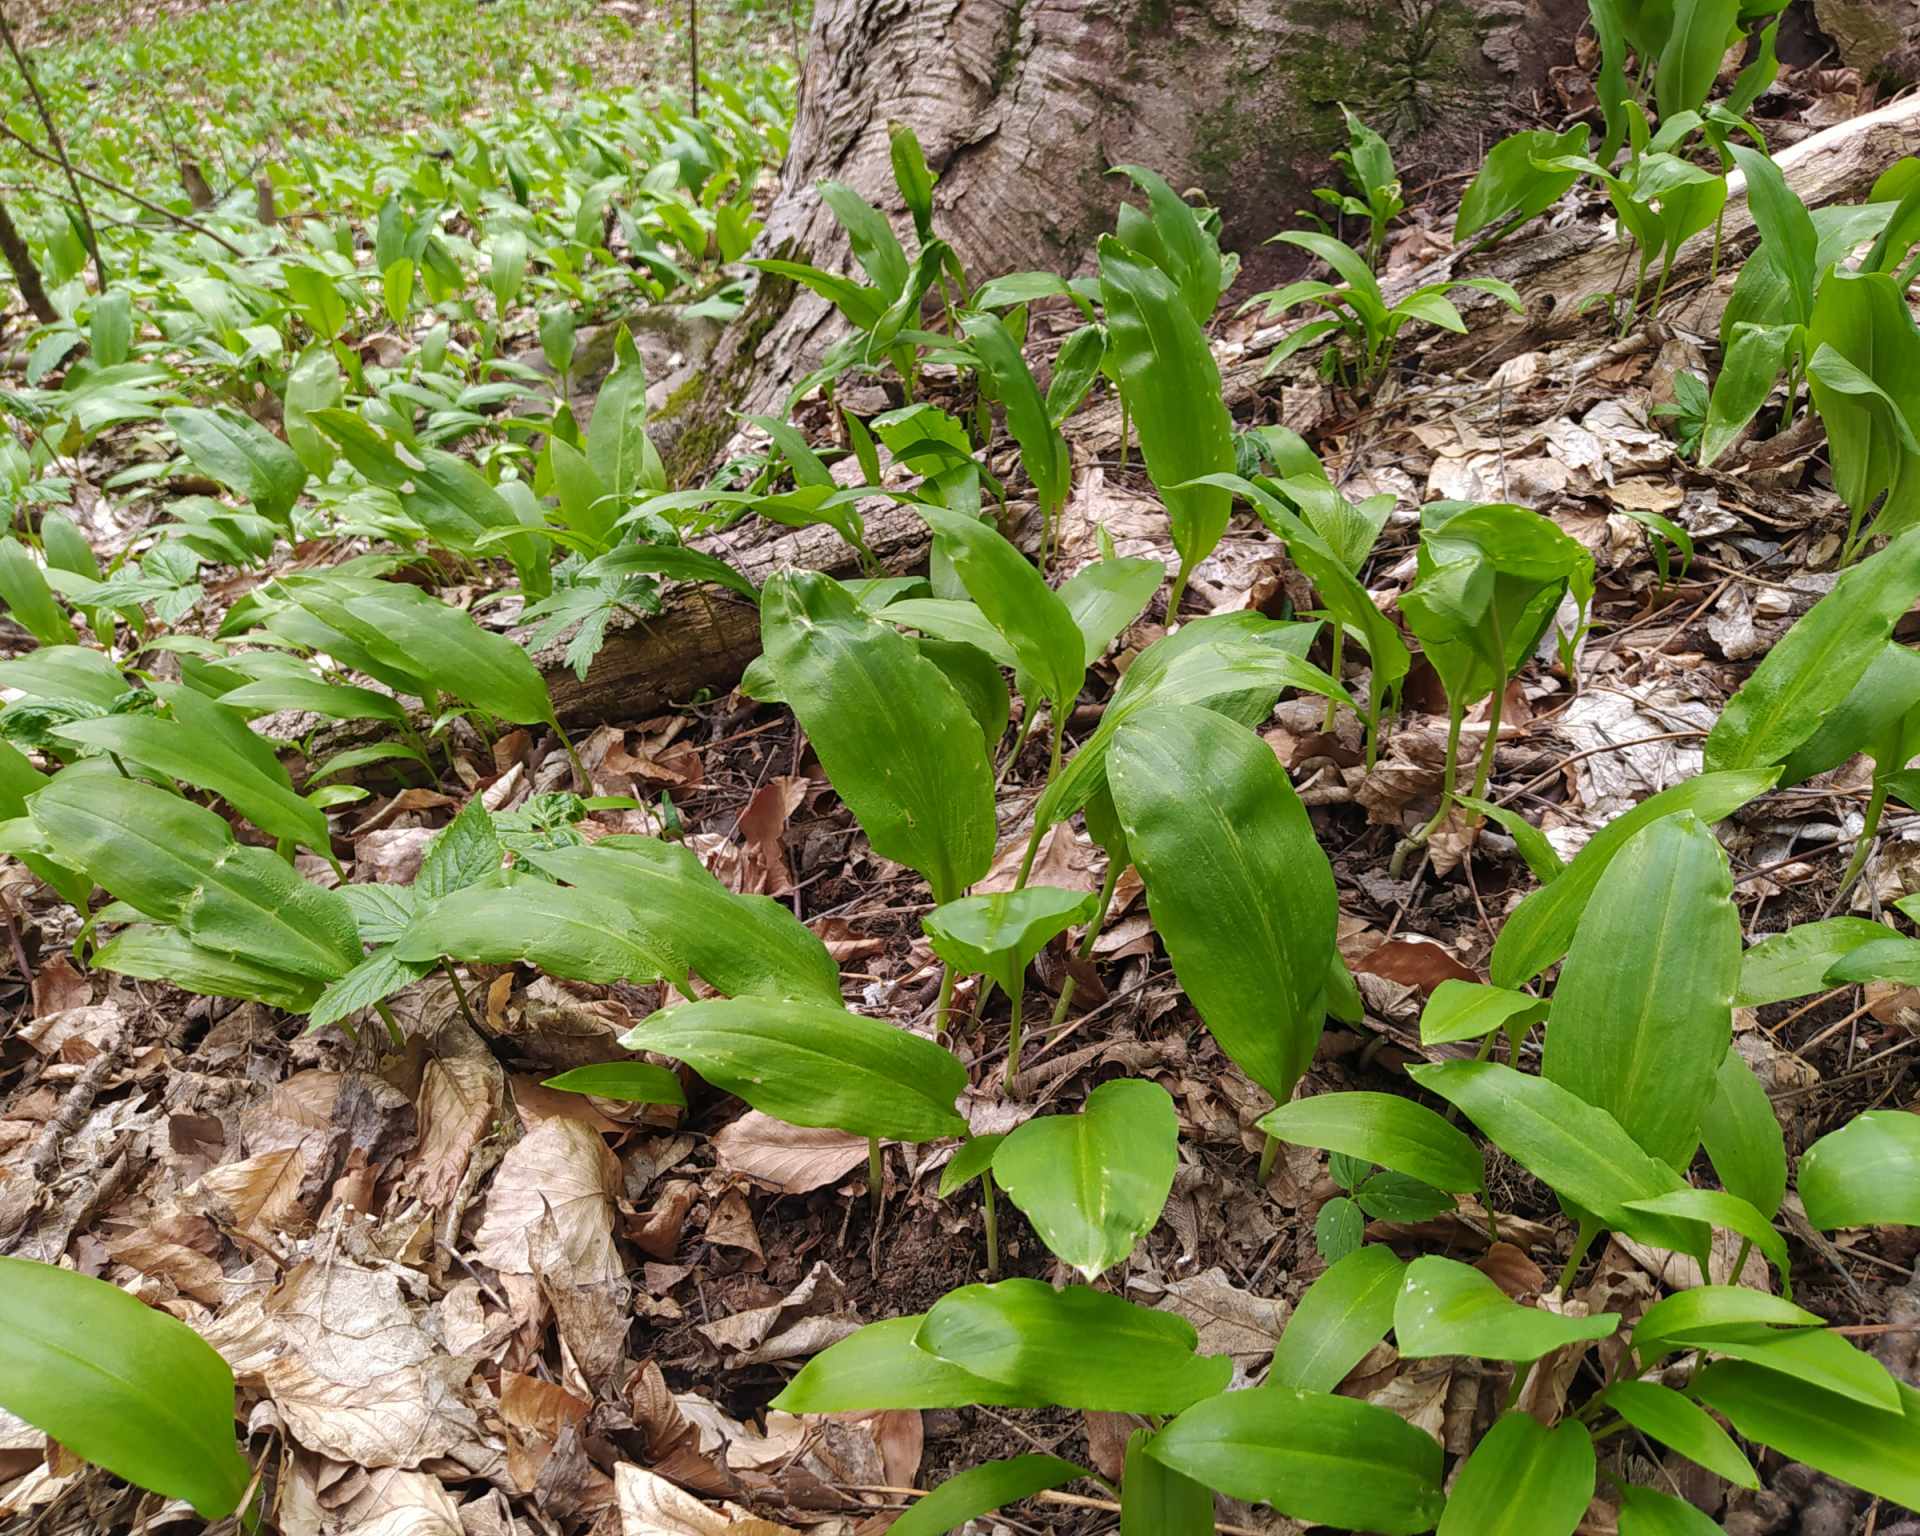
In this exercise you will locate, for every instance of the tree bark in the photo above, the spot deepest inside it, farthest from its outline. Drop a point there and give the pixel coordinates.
(1023, 106)
(26, 275)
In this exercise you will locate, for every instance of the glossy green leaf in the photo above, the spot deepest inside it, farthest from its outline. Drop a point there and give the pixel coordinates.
(1093, 1184)
(1077, 1348)
(24, 589)
(875, 246)
(1743, 1136)
(1814, 666)
(334, 701)
(1643, 1512)
(1707, 1314)
(1240, 892)
(1155, 1500)
(1338, 1320)
(1511, 185)
(1874, 1449)
(1005, 377)
(1678, 1423)
(1469, 1010)
(1107, 596)
(1643, 1011)
(1862, 374)
(242, 455)
(1577, 1149)
(1866, 1174)
(810, 1064)
(1539, 930)
(1718, 1208)
(630, 1082)
(1890, 957)
(1819, 1358)
(420, 632)
(120, 1384)
(982, 1489)
(1167, 375)
(1794, 964)
(619, 452)
(65, 672)
(1317, 1458)
(1523, 1479)
(672, 560)
(1382, 1128)
(1181, 245)
(165, 954)
(974, 1158)
(1449, 1308)
(565, 931)
(998, 935)
(880, 1367)
(898, 743)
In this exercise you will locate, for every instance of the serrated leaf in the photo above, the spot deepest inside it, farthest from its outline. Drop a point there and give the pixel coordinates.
(464, 852)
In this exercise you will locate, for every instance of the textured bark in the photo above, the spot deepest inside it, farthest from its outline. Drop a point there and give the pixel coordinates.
(1022, 107)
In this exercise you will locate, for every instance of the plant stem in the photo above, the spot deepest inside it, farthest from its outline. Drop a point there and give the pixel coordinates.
(1485, 769)
(876, 1178)
(393, 1025)
(1269, 1155)
(1588, 1231)
(1086, 944)
(992, 1218)
(58, 145)
(1174, 596)
(460, 996)
(1010, 1083)
(943, 1006)
(26, 276)
(1863, 845)
(1456, 716)
(1339, 641)
(1740, 1263)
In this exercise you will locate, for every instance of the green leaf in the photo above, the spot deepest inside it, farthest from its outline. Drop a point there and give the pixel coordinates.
(165, 954)
(742, 946)
(1707, 1314)
(911, 176)
(1338, 1320)
(1076, 1348)
(1794, 964)
(565, 931)
(1037, 626)
(1005, 377)
(335, 701)
(1720, 1209)
(619, 452)
(120, 1384)
(669, 560)
(1743, 1136)
(1874, 1449)
(1240, 892)
(1679, 1424)
(1382, 1128)
(977, 678)
(1577, 1149)
(373, 980)
(1644, 1512)
(1866, 1174)
(63, 671)
(879, 1367)
(1449, 1308)
(810, 1064)
(465, 852)
(1698, 39)
(1468, 1010)
(984, 1488)
(1885, 694)
(1093, 1184)
(875, 246)
(1814, 666)
(897, 742)
(23, 587)
(422, 634)
(1539, 930)
(1510, 184)
(1107, 596)
(1171, 384)
(998, 935)
(1820, 1359)
(1523, 1479)
(1155, 1500)
(1643, 1011)
(974, 1158)
(1317, 1458)
(1181, 244)
(631, 1082)
(243, 456)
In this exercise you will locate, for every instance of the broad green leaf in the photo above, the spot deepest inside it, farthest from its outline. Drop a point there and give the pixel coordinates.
(1512, 184)
(165, 954)
(1814, 666)
(1338, 1320)
(1155, 1500)
(875, 246)
(974, 1158)
(1864, 352)
(1577, 1149)
(336, 701)
(897, 742)
(1005, 377)
(1180, 245)
(1468, 1010)
(619, 452)
(1643, 1512)
(121, 1384)
(1890, 957)
(1240, 892)
(739, 945)
(423, 634)
(1678, 1423)
(1794, 964)
(243, 456)
(1107, 596)
(24, 589)
(998, 935)
(1541, 927)
(1749, 370)
(1382, 1128)
(65, 672)
(1171, 384)
(879, 1367)
(958, 620)
(1820, 1359)
(982, 1489)
(979, 682)
(1317, 1458)
(1093, 1184)
(1449, 1308)
(1718, 1208)
(567, 932)
(587, 505)
(1643, 1011)
(810, 1064)
(1077, 1348)
(912, 177)
(1866, 1174)
(1523, 1479)
(1706, 1314)
(1743, 1136)
(1874, 1449)
(1038, 627)
(631, 1082)
(1785, 226)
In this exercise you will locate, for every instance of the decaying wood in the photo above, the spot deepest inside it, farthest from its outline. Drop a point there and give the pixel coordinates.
(703, 640)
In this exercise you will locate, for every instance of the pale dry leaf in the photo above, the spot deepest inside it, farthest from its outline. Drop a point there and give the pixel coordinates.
(1229, 1320)
(814, 1314)
(730, 1225)
(563, 1167)
(188, 1271)
(763, 824)
(459, 1100)
(651, 1506)
(257, 1196)
(791, 1159)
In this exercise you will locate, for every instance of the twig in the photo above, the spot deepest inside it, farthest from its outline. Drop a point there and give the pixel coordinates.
(127, 192)
(59, 145)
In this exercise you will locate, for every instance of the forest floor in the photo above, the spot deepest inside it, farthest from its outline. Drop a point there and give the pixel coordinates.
(457, 1300)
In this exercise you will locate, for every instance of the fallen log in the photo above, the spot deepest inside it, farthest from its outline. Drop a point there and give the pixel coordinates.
(703, 640)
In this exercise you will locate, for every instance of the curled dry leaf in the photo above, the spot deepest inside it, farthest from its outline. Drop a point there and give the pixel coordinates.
(258, 1197)
(814, 1314)
(792, 1159)
(649, 1505)
(562, 1167)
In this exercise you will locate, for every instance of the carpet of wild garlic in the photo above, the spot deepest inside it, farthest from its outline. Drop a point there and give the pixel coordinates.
(316, 436)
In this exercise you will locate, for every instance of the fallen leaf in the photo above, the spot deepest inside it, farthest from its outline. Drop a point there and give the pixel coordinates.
(257, 1196)
(814, 1314)
(651, 1506)
(791, 1159)
(764, 826)
(1415, 962)
(562, 1167)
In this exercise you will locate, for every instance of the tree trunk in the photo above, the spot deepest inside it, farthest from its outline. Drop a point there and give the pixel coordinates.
(26, 275)
(1022, 107)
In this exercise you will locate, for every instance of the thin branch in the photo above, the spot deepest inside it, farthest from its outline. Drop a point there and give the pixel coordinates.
(53, 138)
(25, 273)
(128, 193)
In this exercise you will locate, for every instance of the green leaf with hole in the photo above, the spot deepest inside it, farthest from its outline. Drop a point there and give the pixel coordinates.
(1318, 1458)
(1093, 1184)
(810, 1064)
(1449, 1308)
(1239, 889)
(1382, 1128)
(120, 1384)
(1523, 1479)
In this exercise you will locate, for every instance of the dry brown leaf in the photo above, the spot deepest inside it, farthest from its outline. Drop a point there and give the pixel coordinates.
(844, 943)
(1415, 962)
(814, 1314)
(1509, 1268)
(459, 1100)
(792, 1159)
(1230, 1321)
(1064, 858)
(562, 1167)
(651, 1506)
(257, 1196)
(764, 826)
(730, 1225)
(191, 1273)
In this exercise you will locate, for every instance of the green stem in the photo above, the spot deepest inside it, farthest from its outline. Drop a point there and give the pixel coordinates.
(1455, 717)
(1588, 1231)
(460, 996)
(1863, 845)
(1086, 943)
(1485, 770)
(1739, 1264)
(1019, 742)
(876, 1177)
(393, 1025)
(1010, 1083)
(1027, 858)
(1269, 1155)
(1178, 592)
(943, 1006)
(1339, 641)
(993, 1224)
